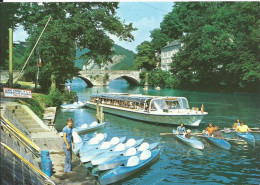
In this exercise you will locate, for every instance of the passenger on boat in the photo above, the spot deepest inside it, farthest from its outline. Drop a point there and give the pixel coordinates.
(209, 129)
(188, 134)
(236, 124)
(217, 133)
(242, 127)
(181, 129)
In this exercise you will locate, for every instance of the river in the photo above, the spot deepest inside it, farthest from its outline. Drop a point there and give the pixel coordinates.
(179, 163)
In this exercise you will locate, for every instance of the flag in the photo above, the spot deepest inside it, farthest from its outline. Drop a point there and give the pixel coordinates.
(40, 62)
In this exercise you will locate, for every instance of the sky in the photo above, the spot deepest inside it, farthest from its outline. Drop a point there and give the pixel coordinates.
(145, 16)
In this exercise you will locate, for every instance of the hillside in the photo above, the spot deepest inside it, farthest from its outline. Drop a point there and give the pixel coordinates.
(123, 60)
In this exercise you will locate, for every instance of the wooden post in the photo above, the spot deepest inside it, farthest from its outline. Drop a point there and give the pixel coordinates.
(10, 58)
(100, 114)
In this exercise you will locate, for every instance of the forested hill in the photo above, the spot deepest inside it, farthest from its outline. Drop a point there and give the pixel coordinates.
(123, 60)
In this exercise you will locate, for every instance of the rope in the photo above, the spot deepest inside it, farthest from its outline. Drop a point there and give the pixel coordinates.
(33, 48)
(21, 134)
(27, 162)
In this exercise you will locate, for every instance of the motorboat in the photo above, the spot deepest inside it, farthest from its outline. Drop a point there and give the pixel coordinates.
(104, 147)
(117, 160)
(130, 167)
(193, 142)
(75, 105)
(116, 151)
(222, 143)
(154, 109)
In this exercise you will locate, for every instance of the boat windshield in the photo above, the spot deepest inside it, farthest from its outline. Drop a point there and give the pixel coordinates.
(159, 105)
(183, 103)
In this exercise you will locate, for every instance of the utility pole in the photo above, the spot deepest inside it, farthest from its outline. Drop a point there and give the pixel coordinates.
(10, 58)
(37, 68)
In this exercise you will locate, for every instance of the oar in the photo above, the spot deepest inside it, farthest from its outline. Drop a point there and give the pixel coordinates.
(163, 134)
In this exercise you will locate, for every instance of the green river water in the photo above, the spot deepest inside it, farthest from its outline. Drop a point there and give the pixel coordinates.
(179, 163)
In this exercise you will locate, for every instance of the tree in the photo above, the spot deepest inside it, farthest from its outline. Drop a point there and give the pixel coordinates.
(73, 26)
(145, 57)
(221, 48)
(159, 39)
(7, 20)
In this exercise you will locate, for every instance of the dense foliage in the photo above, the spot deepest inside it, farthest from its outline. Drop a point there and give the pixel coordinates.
(73, 26)
(221, 44)
(145, 57)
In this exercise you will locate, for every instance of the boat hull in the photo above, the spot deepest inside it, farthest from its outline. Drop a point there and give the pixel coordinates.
(249, 137)
(121, 172)
(117, 160)
(172, 119)
(191, 142)
(219, 142)
(89, 129)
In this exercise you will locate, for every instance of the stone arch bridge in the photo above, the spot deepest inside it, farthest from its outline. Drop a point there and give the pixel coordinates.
(98, 77)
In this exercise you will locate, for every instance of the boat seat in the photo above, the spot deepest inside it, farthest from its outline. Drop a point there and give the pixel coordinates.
(133, 161)
(100, 136)
(76, 137)
(94, 123)
(94, 141)
(144, 146)
(84, 126)
(105, 145)
(130, 142)
(130, 151)
(120, 147)
(114, 141)
(146, 154)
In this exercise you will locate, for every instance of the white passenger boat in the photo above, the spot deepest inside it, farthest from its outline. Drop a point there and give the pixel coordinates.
(155, 109)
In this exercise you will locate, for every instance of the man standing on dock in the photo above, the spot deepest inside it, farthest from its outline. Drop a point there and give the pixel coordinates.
(68, 140)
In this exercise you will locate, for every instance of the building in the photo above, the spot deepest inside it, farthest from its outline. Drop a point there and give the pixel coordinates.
(167, 53)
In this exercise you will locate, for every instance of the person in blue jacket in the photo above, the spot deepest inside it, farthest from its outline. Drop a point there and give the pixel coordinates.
(181, 129)
(67, 145)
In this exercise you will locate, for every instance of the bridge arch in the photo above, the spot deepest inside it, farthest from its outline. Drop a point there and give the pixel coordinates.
(88, 82)
(129, 79)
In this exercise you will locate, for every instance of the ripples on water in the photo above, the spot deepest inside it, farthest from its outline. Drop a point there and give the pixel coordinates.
(179, 163)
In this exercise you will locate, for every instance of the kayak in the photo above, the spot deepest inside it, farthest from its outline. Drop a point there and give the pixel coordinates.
(104, 147)
(115, 161)
(89, 128)
(246, 136)
(130, 167)
(218, 142)
(78, 142)
(193, 142)
(117, 151)
(94, 142)
(74, 105)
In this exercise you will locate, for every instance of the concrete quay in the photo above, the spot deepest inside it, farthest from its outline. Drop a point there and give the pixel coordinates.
(46, 138)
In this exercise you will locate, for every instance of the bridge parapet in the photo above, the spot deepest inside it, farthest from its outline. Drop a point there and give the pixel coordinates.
(99, 77)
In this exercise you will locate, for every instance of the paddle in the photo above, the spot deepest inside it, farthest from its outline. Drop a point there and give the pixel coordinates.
(163, 134)
(228, 130)
(228, 139)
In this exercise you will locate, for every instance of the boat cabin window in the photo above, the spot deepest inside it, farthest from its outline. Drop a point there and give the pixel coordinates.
(158, 105)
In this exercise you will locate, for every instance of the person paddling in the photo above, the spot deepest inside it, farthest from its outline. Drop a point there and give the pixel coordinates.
(217, 133)
(188, 134)
(243, 128)
(181, 129)
(209, 130)
(236, 124)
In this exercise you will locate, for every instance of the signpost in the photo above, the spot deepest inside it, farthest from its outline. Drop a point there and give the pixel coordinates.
(17, 93)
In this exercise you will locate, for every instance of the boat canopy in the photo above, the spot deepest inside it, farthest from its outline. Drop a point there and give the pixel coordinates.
(118, 97)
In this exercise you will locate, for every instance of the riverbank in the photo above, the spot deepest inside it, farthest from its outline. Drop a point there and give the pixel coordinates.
(46, 138)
